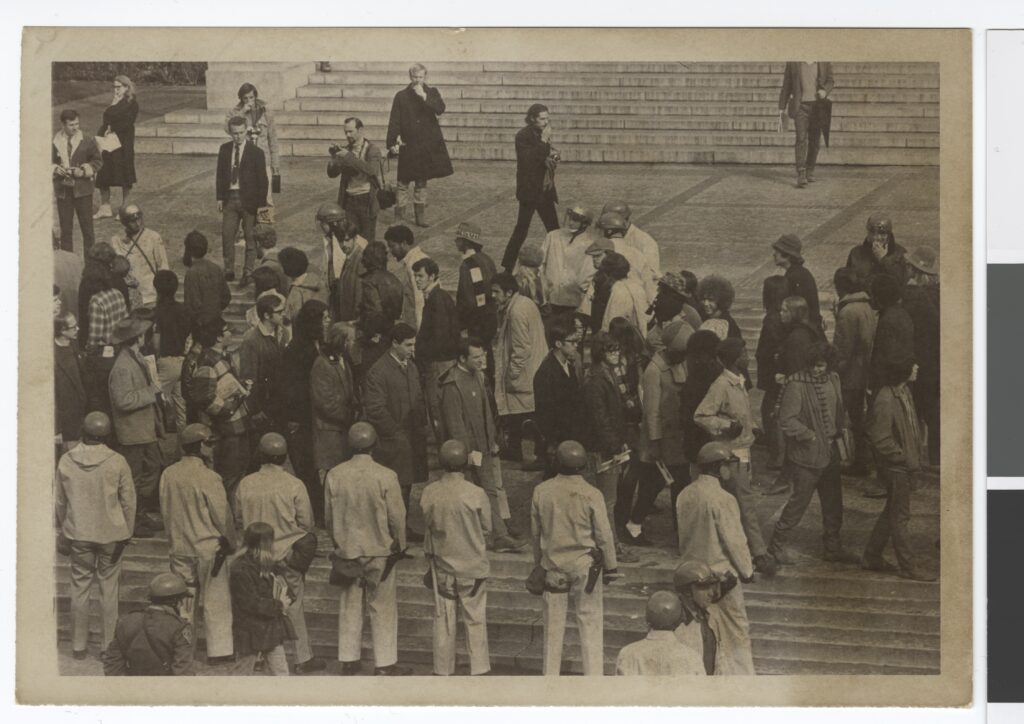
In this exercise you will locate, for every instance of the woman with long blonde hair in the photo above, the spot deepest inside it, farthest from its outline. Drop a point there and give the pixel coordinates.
(259, 600)
(118, 165)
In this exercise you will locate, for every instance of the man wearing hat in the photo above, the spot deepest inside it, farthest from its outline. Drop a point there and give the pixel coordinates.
(637, 237)
(95, 510)
(458, 524)
(671, 303)
(200, 530)
(273, 496)
(711, 531)
(478, 315)
(158, 641)
(143, 248)
(135, 399)
(786, 253)
(571, 534)
(660, 653)
(366, 516)
(921, 300)
(565, 270)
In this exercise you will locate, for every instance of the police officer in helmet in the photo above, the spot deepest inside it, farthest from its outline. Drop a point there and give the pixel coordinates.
(661, 653)
(156, 641)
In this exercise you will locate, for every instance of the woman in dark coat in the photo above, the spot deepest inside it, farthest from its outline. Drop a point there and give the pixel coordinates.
(258, 602)
(769, 349)
(415, 135)
(295, 403)
(333, 396)
(69, 390)
(535, 181)
(118, 166)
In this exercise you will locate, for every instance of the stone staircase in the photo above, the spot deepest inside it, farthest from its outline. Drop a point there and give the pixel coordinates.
(884, 113)
(808, 620)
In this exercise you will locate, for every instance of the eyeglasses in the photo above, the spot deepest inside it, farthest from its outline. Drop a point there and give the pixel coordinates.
(133, 217)
(610, 349)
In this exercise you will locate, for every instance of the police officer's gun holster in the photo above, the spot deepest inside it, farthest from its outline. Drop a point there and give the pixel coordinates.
(224, 549)
(344, 571)
(595, 569)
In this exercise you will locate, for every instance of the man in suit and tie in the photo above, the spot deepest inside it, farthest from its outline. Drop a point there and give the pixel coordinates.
(803, 86)
(242, 187)
(556, 392)
(76, 160)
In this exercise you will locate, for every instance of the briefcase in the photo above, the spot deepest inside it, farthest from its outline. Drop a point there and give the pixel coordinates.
(275, 183)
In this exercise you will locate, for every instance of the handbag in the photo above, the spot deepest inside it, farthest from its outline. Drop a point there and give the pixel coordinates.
(386, 195)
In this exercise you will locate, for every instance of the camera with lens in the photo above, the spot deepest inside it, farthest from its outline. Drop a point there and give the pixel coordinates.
(334, 149)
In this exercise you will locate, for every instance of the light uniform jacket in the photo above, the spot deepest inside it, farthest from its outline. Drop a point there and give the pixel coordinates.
(725, 401)
(146, 258)
(566, 270)
(133, 401)
(458, 522)
(95, 495)
(639, 267)
(567, 519)
(627, 300)
(710, 529)
(272, 496)
(364, 509)
(660, 654)
(661, 384)
(519, 348)
(646, 245)
(853, 339)
(466, 410)
(195, 508)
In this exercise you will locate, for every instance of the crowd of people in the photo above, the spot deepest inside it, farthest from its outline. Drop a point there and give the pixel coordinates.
(626, 377)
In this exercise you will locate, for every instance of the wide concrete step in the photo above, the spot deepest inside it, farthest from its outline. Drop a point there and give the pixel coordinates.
(775, 68)
(768, 138)
(459, 151)
(551, 95)
(840, 124)
(454, 81)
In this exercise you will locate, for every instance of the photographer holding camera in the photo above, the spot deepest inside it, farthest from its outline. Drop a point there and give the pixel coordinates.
(260, 132)
(76, 160)
(359, 165)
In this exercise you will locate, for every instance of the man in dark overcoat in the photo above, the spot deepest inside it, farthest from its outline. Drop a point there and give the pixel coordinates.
(415, 135)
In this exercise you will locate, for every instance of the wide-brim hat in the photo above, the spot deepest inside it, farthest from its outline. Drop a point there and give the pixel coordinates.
(470, 232)
(790, 245)
(128, 329)
(674, 282)
(924, 259)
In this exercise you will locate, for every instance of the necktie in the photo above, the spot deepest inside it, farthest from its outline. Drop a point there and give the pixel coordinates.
(234, 167)
(69, 151)
(710, 646)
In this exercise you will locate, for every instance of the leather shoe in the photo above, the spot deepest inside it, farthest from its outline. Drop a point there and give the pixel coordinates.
(879, 564)
(508, 544)
(874, 490)
(351, 668)
(229, 276)
(842, 557)
(635, 540)
(218, 660)
(308, 667)
(393, 670)
(766, 565)
(782, 558)
(918, 575)
(624, 556)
